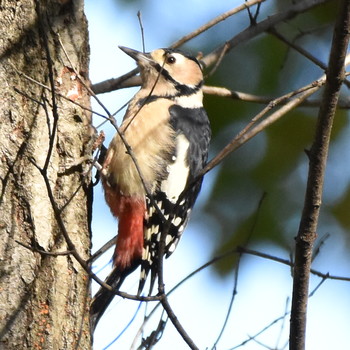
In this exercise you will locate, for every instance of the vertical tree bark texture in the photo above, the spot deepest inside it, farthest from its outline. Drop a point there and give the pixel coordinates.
(43, 298)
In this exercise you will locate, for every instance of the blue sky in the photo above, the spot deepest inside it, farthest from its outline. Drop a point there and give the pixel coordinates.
(202, 302)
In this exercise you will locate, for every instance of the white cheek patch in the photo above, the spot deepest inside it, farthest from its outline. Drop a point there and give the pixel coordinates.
(178, 171)
(192, 101)
(180, 59)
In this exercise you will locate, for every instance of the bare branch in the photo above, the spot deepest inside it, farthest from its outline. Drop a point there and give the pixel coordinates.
(53, 131)
(289, 263)
(71, 246)
(234, 293)
(103, 249)
(165, 303)
(318, 286)
(284, 321)
(317, 248)
(249, 131)
(154, 337)
(142, 30)
(57, 93)
(215, 21)
(297, 48)
(318, 158)
(261, 27)
(43, 252)
(253, 337)
(242, 96)
(302, 51)
(239, 250)
(126, 80)
(213, 57)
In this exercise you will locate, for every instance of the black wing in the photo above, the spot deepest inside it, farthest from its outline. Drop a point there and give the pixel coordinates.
(177, 193)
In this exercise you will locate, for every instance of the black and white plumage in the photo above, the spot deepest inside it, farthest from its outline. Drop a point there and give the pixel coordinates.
(168, 131)
(192, 137)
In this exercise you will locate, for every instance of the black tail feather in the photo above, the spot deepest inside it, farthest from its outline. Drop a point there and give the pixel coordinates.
(104, 297)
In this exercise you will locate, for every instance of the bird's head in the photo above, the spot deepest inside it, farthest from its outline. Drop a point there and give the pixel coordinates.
(167, 71)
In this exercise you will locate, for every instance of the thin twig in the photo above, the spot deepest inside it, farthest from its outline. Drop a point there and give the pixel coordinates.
(220, 57)
(235, 283)
(290, 263)
(263, 26)
(242, 96)
(36, 82)
(165, 303)
(238, 250)
(103, 249)
(233, 295)
(261, 344)
(172, 290)
(52, 134)
(253, 337)
(154, 337)
(302, 51)
(124, 81)
(54, 107)
(71, 246)
(114, 124)
(142, 31)
(298, 48)
(129, 79)
(44, 252)
(215, 21)
(249, 131)
(319, 245)
(318, 286)
(31, 98)
(283, 323)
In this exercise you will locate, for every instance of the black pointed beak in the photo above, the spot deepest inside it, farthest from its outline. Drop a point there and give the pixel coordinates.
(136, 55)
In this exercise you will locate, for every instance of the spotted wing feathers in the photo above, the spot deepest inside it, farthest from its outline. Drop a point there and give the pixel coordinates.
(177, 192)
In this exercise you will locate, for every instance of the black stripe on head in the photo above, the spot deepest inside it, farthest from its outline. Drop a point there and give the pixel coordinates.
(185, 90)
(182, 89)
(185, 54)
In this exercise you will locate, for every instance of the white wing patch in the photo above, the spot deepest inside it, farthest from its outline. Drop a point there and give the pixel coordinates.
(171, 188)
(178, 171)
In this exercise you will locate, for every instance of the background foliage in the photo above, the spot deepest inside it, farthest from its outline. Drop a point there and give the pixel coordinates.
(255, 196)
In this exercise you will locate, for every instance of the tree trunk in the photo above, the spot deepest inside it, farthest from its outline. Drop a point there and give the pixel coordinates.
(43, 298)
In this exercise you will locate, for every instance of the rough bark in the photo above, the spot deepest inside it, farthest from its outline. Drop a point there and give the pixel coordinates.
(43, 298)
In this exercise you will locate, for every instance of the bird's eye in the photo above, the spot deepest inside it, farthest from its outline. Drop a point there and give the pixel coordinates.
(171, 60)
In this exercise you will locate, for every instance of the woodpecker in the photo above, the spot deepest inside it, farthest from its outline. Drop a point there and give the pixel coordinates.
(152, 187)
